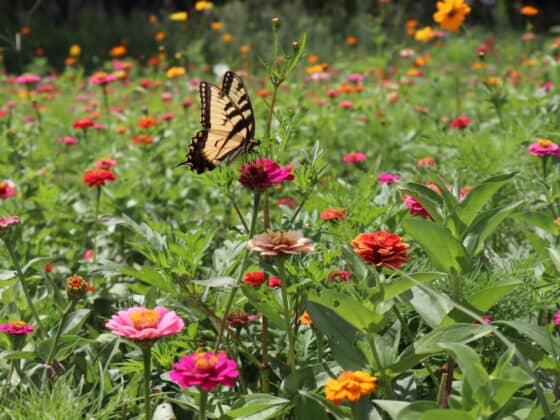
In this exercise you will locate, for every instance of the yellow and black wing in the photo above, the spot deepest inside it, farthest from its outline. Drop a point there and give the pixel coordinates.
(228, 125)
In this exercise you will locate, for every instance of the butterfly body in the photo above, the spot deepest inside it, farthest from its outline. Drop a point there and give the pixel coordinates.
(228, 125)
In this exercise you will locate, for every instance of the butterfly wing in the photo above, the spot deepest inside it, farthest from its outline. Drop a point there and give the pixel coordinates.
(228, 125)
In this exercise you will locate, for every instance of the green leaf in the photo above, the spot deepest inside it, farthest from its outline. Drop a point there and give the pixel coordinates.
(428, 198)
(432, 308)
(399, 285)
(7, 275)
(75, 320)
(440, 414)
(307, 408)
(541, 220)
(446, 253)
(151, 276)
(415, 410)
(456, 333)
(343, 337)
(338, 411)
(257, 407)
(536, 333)
(479, 196)
(349, 309)
(392, 408)
(484, 225)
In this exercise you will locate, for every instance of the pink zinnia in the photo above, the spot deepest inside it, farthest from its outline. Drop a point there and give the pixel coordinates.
(264, 173)
(138, 323)
(415, 207)
(387, 178)
(16, 328)
(67, 140)
(346, 104)
(544, 147)
(274, 282)
(7, 221)
(287, 201)
(547, 86)
(102, 79)
(105, 163)
(556, 318)
(27, 79)
(354, 157)
(355, 77)
(7, 190)
(205, 370)
(460, 122)
(88, 254)
(167, 117)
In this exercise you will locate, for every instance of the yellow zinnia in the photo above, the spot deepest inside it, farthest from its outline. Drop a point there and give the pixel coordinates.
(74, 50)
(179, 16)
(351, 385)
(216, 25)
(175, 72)
(425, 34)
(203, 5)
(227, 37)
(451, 14)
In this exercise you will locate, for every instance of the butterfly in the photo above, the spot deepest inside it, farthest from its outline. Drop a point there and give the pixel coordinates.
(228, 125)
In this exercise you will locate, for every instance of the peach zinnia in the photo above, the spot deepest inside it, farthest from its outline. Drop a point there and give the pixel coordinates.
(350, 385)
(273, 243)
(381, 249)
(142, 324)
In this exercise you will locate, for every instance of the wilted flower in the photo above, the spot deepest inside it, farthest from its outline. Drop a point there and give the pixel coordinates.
(263, 173)
(16, 328)
(138, 323)
(387, 178)
(273, 243)
(98, 177)
(255, 278)
(335, 213)
(205, 370)
(7, 190)
(240, 317)
(450, 14)
(485, 318)
(340, 275)
(350, 385)
(460, 122)
(544, 147)
(381, 249)
(355, 157)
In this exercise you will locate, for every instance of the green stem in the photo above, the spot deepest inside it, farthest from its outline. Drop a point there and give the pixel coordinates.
(21, 279)
(379, 368)
(266, 211)
(289, 332)
(147, 356)
(203, 403)
(58, 333)
(268, 127)
(265, 368)
(256, 204)
(236, 207)
(97, 201)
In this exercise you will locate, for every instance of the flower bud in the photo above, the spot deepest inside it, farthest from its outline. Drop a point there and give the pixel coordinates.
(275, 23)
(295, 45)
(76, 288)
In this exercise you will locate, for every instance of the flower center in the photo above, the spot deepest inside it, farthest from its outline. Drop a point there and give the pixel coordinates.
(544, 142)
(18, 325)
(3, 187)
(145, 318)
(205, 364)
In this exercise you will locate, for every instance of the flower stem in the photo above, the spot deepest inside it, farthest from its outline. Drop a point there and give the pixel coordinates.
(97, 201)
(289, 332)
(147, 356)
(203, 402)
(58, 333)
(21, 279)
(265, 368)
(386, 380)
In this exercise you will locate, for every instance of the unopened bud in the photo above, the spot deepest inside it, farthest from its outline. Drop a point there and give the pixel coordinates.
(275, 23)
(76, 288)
(295, 45)
(481, 55)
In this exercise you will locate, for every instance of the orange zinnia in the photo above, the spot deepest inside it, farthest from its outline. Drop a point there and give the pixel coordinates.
(381, 249)
(118, 51)
(451, 14)
(351, 40)
(351, 385)
(147, 122)
(529, 11)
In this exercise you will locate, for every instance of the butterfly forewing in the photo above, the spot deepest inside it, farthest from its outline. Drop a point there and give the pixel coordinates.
(228, 122)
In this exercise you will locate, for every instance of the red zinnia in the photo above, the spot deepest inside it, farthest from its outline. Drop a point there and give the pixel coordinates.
(98, 177)
(336, 213)
(83, 123)
(142, 139)
(340, 275)
(254, 279)
(381, 249)
(460, 122)
(147, 122)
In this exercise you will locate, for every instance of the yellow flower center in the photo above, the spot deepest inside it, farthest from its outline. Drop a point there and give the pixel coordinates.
(19, 325)
(205, 364)
(145, 318)
(544, 142)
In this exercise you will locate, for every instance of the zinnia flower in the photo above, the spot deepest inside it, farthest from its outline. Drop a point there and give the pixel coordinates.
(142, 139)
(138, 323)
(287, 201)
(450, 14)
(340, 275)
(67, 140)
(77, 287)
(529, 11)
(105, 163)
(425, 34)
(426, 161)
(381, 249)
(28, 79)
(264, 173)
(350, 385)
(556, 318)
(7, 190)
(175, 72)
(83, 123)
(98, 177)
(305, 319)
(205, 370)
(415, 207)
(179, 16)
(102, 79)
(5, 222)
(147, 122)
(255, 278)
(273, 243)
(333, 214)
(240, 318)
(16, 328)
(544, 147)
(387, 178)
(460, 122)
(274, 282)
(354, 157)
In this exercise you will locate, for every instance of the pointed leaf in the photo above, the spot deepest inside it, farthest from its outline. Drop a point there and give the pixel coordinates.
(428, 198)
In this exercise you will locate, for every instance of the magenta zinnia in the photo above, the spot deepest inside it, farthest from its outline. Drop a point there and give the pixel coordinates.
(264, 173)
(141, 324)
(16, 328)
(205, 370)
(544, 147)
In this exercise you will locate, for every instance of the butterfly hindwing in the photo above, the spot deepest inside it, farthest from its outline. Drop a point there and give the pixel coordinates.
(228, 122)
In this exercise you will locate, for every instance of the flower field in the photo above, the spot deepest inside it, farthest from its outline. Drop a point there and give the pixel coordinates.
(284, 232)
